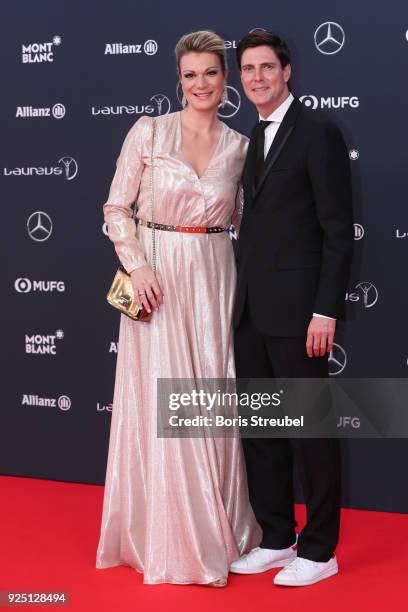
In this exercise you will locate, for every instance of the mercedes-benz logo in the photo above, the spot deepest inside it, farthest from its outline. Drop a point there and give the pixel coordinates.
(329, 38)
(337, 360)
(162, 102)
(70, 167)
(39, 226)
(232, 105)
(354, 154)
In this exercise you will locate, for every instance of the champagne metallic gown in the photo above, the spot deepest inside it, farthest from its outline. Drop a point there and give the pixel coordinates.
(175, 509)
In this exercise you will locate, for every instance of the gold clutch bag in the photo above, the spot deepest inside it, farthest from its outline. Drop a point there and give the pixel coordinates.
(121, 295)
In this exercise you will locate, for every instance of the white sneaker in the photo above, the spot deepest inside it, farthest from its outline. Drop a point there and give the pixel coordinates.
(262, 559)
(302, 572)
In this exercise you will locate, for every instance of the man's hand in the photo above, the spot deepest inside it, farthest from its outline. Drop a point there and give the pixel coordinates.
(320, 336)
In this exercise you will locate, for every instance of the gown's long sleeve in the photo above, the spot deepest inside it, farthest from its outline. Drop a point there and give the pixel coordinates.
(238, 210)
(123, 191)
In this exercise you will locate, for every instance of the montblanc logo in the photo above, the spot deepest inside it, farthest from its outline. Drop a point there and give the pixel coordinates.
(39, 226)
(314, 102)
(25, 285)
(30, 112)
(354, 154)
(367, 294)
(38, 53)
(159, 105)
(150, 47)
(38, 344)
(63, 401)
(67, 167)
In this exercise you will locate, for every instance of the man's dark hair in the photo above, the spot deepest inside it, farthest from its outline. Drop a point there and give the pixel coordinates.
(260, 38)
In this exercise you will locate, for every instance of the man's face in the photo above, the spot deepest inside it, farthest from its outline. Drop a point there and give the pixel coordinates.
(263, 78)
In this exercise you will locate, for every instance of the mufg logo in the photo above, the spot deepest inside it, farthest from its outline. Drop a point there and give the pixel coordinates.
(314, 102)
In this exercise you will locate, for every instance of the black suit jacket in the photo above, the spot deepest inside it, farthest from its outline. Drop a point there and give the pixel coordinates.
(296, 237)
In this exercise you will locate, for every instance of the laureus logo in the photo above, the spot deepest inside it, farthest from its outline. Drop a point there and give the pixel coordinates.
(367, 293)
(70, 167)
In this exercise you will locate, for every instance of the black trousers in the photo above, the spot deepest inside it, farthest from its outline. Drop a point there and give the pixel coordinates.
(270, 461)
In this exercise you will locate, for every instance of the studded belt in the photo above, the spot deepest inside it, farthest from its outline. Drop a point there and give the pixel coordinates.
(179, 228)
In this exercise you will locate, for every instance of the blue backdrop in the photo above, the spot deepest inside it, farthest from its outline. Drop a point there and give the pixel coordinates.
(75, 78)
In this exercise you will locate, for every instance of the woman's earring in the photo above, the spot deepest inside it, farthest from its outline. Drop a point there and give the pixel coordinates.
(224, 97)
(184, 101)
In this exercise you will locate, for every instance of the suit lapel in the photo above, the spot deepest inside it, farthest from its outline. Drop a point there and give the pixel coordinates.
(248, 171)
(281, 137)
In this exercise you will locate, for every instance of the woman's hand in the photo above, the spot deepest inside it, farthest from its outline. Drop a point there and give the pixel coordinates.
(148, 288)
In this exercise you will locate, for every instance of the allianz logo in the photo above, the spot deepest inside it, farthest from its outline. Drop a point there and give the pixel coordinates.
(150, 47)
(314, 102)
(123, 110)
(113, 348)
(57, 111)
(63, 401)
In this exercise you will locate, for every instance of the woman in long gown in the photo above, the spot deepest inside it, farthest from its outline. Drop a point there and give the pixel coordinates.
(177, 509)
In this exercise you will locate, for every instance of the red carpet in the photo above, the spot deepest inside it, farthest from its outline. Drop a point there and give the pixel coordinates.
(49, 534)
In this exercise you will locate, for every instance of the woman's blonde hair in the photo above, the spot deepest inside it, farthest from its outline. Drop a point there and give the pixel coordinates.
(203, 41)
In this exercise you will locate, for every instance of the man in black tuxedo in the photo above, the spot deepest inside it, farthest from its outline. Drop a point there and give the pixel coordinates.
(294, 258)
